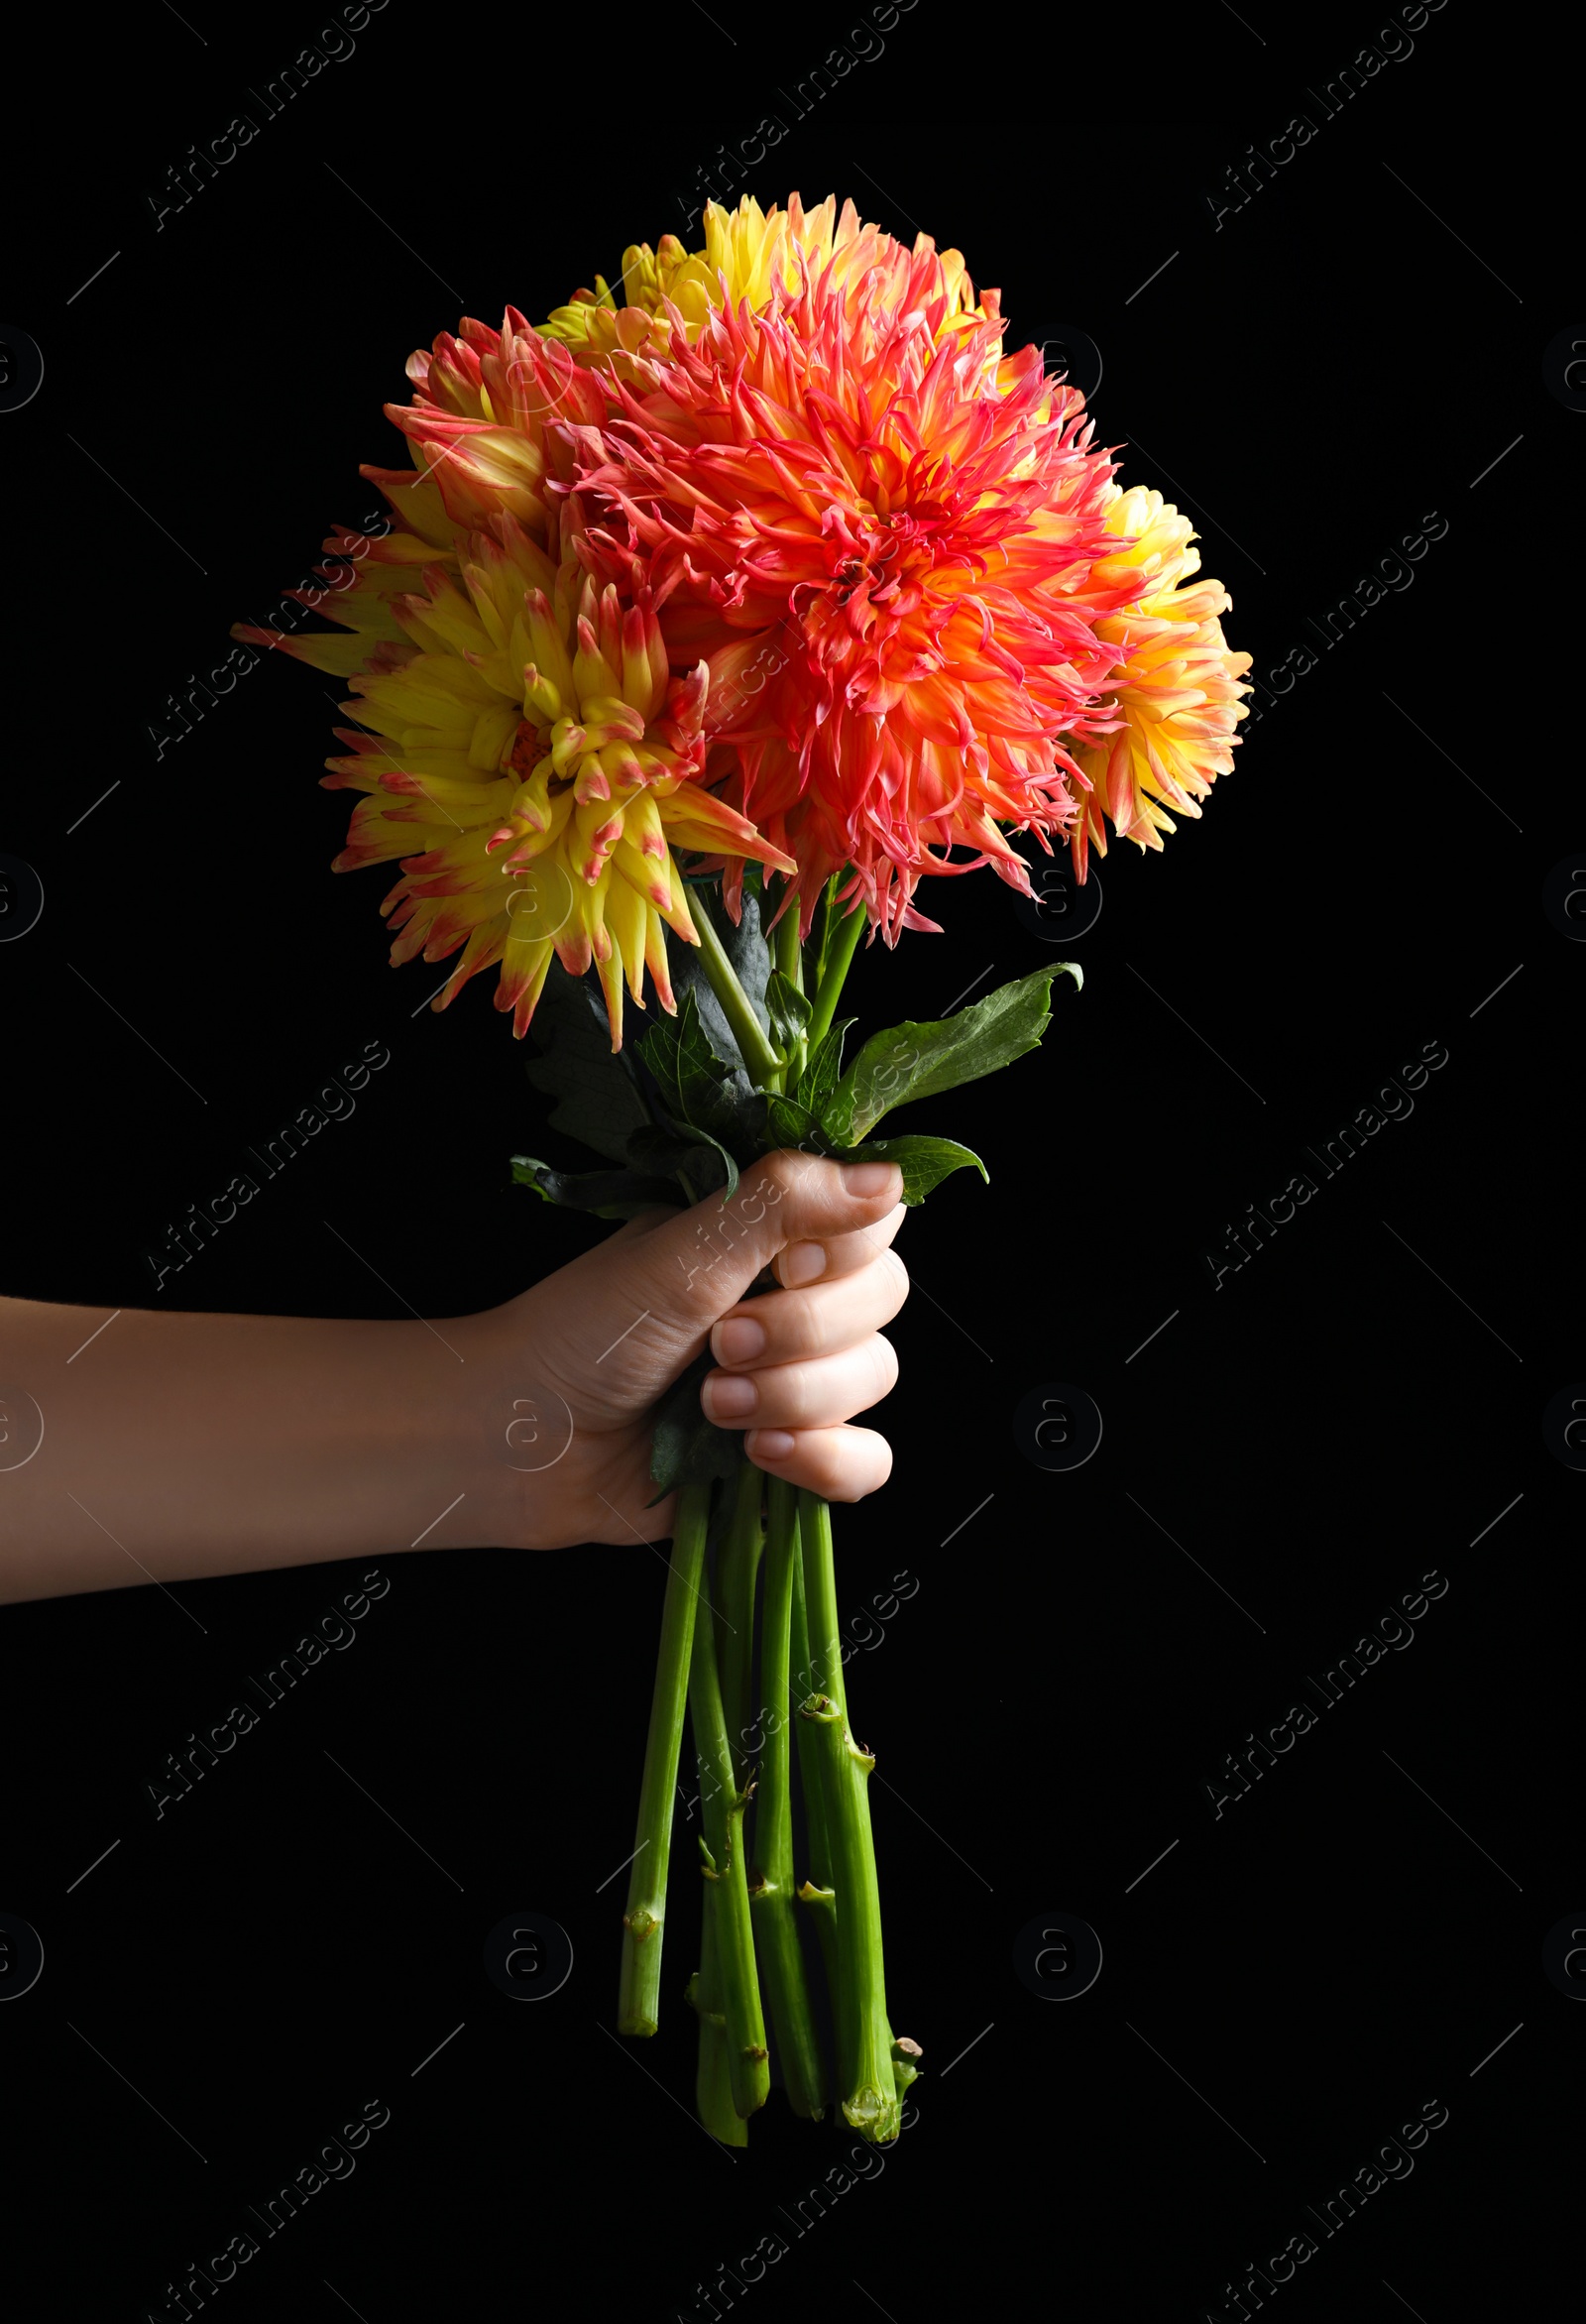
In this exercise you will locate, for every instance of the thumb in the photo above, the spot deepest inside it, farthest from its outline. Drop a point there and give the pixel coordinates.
(692, 1266)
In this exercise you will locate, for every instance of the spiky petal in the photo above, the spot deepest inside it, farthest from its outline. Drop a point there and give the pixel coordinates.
(749, 254)
(1178, 685)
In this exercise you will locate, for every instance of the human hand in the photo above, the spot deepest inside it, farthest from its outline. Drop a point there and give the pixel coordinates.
(599, 1342)
(204, 1443)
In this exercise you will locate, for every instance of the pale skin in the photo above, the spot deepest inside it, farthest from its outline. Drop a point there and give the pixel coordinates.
(179, 1445)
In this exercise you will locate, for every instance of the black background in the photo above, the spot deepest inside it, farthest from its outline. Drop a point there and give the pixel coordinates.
(1339, 360)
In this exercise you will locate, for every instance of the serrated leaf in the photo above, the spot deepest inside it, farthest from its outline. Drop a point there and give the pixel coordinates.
(821, 1074)
(686, 1448)
(924, 1161)
(606, 1193)
(701, 1092)
(720, 1166)
(679, 1054)
(597, 1100)
(912, 1061)
(788, 1009)
(790, 1122)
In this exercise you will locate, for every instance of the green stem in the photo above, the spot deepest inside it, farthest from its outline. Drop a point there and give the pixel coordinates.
(790, 959)
(840, 951)
(755, 1045)
(820, 1603)
(789, 951)
(816, 1892)
(638, 1996)
(819, 929)
(871, 2102)
(803, 1687)
(776, 1935)
(713, 2087)
(737, 1569)
(723, 1806)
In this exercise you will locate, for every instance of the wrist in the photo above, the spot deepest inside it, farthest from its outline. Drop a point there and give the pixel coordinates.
(507, 1433)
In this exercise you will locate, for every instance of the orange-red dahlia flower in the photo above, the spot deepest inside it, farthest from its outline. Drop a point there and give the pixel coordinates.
(1177, 682)
(880, 532)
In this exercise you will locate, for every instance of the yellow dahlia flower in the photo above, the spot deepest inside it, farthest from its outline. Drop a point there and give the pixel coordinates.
(529, 756)
(749, 254)
(1178, 685)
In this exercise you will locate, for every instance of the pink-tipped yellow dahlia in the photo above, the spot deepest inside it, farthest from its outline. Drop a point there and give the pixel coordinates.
(482, 459)
(883, 535)
(533, 762)
(1176, 683)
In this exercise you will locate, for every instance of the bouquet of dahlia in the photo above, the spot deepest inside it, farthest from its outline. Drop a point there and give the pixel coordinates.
(713, 617)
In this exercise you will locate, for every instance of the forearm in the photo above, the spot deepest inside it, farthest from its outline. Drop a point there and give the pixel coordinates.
(176, 1445)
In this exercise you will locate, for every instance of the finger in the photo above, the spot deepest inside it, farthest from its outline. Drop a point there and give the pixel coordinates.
(841, 1464)
(813, 1394)
(686, 1268)
(840, 1255)
(784, 1325)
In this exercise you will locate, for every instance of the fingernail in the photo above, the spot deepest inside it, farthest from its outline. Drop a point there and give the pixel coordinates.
(731, 1399)
(769, 1445)
(802, 1262)
(739, 1341)
(867, 1178)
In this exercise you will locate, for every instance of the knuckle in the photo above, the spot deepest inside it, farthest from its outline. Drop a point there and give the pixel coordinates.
(786, 1390)
(856, 1463)
(808, 1179)
(830, 1464)
(780, 1169)
(798, 1326)
(820, 1388)
(896, 1278)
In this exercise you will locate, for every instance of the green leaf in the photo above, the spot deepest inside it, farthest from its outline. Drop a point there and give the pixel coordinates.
(679, 1054)
(912, 1061)
(687, 1449)
(789, 1123)
(597, 1096)
(701, 1092)
(608, 1194)
(819, 1076)
(924, 1161)
(789, 1011)
(690, 1154)
(712, 1164)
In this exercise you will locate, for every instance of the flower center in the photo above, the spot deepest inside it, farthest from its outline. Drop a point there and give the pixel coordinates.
(528, 749)
(531, 747)
(877, 554)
